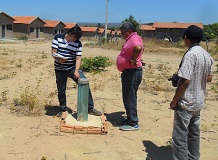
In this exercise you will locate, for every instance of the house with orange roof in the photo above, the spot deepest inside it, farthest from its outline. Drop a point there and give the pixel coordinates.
(173, 31)
(118, 32)
(53, 27)
(89, 31)
(68, 26)
(115, 33)
(101, 33)
(147, 31)
(29, 26)
(6, 26)
(170, 30)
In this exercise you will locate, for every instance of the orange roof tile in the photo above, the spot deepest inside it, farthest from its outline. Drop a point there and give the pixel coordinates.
(101, 30)
(89, 29)
(52, 23)
(175, 25)
(108, 31)
(69, 25)
(25, 19)
(114, 32)
(118, 32)
(147, 28)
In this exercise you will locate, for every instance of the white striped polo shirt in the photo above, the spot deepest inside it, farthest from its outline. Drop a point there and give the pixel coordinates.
(66, 49)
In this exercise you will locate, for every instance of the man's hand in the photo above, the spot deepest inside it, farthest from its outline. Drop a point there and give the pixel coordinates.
(76, 74)
(57, 59)
(133, 62)
(209, 78)
(172, 105)
(136, 52)
(60, 60)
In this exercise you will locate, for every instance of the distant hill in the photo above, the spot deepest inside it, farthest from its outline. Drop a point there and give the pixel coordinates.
(96, 24)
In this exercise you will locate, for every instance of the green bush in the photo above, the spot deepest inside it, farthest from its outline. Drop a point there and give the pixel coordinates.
(25, 38)
(96, 64)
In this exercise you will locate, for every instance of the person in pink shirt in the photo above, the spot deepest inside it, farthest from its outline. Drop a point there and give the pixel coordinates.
(129, 62)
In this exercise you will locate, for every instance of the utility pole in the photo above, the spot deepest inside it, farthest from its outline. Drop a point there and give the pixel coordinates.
(106, 20)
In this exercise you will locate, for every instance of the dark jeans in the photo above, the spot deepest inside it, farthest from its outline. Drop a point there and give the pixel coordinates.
(61, 81)
(131, 79)
(186, 134)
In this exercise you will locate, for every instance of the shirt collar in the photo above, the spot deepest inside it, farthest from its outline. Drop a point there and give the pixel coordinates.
(132, 34)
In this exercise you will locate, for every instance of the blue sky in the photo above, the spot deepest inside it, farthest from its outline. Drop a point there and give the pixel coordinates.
(144, 11)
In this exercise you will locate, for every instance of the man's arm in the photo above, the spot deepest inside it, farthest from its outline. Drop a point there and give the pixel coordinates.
(78, 64)
(136, 51)
(183, 84)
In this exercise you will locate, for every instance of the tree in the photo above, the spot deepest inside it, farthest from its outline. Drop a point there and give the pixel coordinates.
(134, 22)
(112, 28)
(99, 25)
(211, 32)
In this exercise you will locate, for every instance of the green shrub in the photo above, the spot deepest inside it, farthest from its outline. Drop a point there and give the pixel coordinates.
(96, 64)
(25, 38)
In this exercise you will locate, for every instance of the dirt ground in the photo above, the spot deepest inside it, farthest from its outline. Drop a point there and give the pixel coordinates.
(28, 67)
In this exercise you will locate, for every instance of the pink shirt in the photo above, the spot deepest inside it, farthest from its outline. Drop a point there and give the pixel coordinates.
(123, 59)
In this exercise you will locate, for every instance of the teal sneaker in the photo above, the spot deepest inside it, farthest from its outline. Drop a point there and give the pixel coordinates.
(129, 128)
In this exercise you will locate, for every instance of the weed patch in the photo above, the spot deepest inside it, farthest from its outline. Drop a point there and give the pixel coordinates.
(96, 64)
(28, 102)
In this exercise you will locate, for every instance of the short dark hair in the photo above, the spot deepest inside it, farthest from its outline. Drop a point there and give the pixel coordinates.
(77, 31)
(194, 33)
(126, 26)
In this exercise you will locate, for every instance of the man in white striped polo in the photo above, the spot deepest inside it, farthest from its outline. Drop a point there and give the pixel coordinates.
(67, 52)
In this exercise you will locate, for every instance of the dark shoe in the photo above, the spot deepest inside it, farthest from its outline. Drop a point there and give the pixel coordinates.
(62, 114)
(63, 108)
(94, 112)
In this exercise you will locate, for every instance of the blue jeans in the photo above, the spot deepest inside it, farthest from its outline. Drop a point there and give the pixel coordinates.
(61, 81)
(131, 79)
(186, 134)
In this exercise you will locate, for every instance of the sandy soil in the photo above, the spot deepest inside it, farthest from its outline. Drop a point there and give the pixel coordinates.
(27, 67)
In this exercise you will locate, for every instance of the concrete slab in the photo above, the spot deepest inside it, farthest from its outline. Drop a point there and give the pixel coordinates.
(94, 121)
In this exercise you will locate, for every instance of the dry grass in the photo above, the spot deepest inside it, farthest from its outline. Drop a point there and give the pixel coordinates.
(154, 78)
(212, 49)
(32, 91)
(152, 46)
